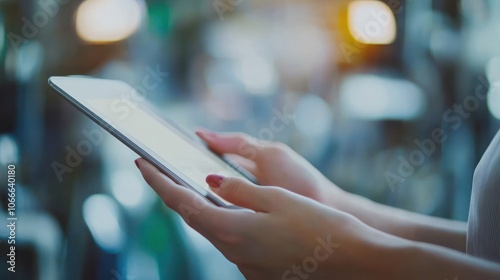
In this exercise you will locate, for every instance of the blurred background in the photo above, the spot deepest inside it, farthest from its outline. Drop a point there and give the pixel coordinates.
(394, 100)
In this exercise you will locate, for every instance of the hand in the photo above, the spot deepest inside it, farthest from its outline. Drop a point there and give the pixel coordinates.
(287, 237)
(275, 164)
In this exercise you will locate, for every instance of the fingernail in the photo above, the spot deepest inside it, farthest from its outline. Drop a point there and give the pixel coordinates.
(137, 163)
(214, 181)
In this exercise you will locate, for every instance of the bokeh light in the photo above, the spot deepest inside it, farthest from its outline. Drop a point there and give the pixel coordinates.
(105, 21)
(371, 22)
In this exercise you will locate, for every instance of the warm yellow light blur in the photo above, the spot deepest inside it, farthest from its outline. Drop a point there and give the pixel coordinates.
(105, 21)
(371, 22)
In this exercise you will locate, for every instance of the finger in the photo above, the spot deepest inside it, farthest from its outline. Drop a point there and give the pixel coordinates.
(207, 219)
(232, 143)
(169, 191)
(247, 164)
(241, 192)
(192, 207)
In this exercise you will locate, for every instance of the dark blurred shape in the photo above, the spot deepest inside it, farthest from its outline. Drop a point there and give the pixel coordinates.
(26, 264)
(8, 105)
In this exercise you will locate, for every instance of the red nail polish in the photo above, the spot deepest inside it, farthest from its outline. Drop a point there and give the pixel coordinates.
(137, 163)
(214, 181)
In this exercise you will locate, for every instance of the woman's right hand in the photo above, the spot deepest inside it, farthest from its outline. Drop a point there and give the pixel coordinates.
(273, 163)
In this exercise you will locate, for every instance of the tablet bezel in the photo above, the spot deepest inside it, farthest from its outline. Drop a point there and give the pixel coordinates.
(78, 100)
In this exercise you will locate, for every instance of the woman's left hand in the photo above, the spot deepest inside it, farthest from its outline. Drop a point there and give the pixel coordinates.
(286, 236)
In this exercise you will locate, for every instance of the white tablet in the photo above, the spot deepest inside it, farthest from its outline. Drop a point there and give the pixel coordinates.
(134, 123)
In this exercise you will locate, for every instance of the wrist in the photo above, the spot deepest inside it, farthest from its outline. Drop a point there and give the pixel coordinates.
(391, 257)
(367, 253)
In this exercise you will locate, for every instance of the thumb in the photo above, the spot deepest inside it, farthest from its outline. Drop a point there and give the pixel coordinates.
(241, 192)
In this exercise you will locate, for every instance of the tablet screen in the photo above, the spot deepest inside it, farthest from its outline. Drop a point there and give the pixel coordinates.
(193, 162)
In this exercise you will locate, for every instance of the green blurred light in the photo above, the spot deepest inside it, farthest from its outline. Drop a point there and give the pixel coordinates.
(159, 18)
(156, 231)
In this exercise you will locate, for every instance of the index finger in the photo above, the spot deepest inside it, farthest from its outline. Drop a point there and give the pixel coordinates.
(195, 210)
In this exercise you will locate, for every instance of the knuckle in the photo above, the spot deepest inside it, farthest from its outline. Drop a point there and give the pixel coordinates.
(191, 221)
(226, 232)
(242, 137)
(247, 140)
(226, 235)
(275, 192)
(277, 148)
(230, 187)
(188, 220)
(276, 195)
